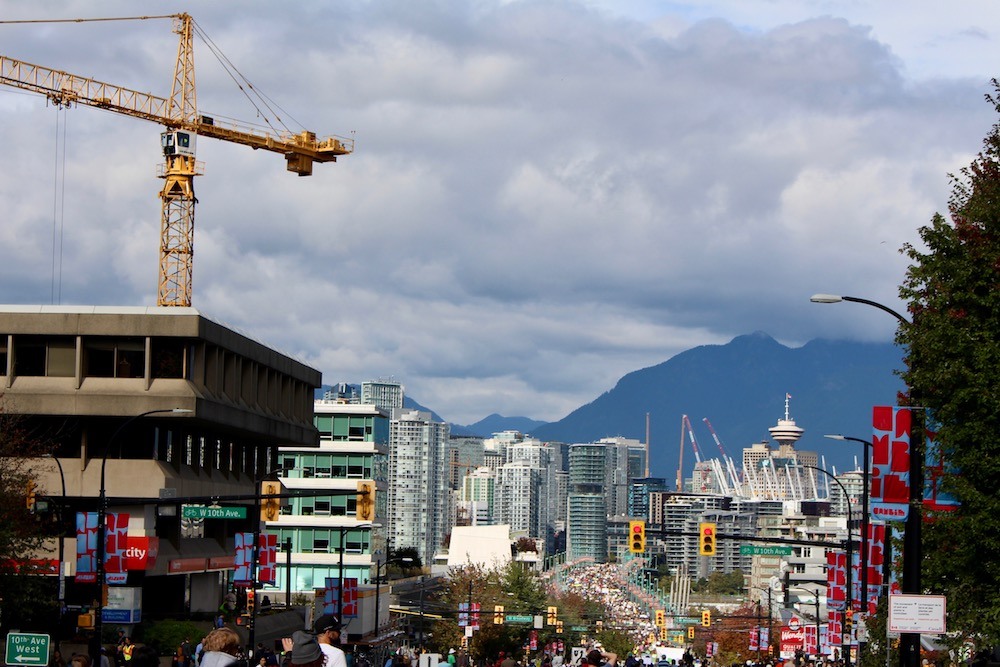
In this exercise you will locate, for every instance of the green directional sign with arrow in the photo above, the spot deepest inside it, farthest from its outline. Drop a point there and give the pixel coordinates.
(27, 649)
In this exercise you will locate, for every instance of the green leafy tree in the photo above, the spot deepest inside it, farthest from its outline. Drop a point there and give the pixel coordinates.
(953, 352)
(27, 601)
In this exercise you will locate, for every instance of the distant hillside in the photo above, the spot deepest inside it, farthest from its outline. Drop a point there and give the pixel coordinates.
(741, 388)
(495, 423)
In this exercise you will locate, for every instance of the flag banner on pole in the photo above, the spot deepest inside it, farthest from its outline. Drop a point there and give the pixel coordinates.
(890, 475)
(115, 546)
(267, 561)
(754, 639)
(86, 547)
(836, 580)
(935, 468)
(833, 627)
(244, 559)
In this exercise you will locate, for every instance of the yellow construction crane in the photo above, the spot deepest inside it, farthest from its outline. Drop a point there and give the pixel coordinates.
(179, 114)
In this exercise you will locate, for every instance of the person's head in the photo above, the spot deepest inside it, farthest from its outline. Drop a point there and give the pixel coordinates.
(305, 650)
(327, 629)
(595, 658)
(222, 640)
(145, 656)
(79, 660)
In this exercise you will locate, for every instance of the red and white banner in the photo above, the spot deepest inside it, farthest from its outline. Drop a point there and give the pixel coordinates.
(116, 536)
(890, 475)
(836, 580)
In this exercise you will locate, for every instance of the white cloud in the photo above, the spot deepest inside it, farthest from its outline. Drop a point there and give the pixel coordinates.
(544, 196)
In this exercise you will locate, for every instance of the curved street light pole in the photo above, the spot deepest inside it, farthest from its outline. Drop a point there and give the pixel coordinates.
(102, 531)
(848, 598)
(865, 517)
(815, 595)
(62, 555)
(909, 643)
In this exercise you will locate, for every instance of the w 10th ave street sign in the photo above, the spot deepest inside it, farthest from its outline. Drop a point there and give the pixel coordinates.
(757, 550)
(27, 649)
(202, 512)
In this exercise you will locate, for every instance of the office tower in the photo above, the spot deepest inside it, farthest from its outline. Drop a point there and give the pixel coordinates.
(418, 483)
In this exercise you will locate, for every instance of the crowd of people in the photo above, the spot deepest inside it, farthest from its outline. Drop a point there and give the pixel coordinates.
(607, 584)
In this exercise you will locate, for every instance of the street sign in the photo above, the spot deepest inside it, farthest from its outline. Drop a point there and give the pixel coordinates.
(518, 618)
(27, 649)
(578, 628)
(757, 550)
(687, 620)
(201, 512)
(924, 614)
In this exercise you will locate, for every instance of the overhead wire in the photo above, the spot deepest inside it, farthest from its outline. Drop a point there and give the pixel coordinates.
(263, 104)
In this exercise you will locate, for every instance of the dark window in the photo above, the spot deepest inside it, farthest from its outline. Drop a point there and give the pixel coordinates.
(29, 356)
(114, 357)
(168, 358)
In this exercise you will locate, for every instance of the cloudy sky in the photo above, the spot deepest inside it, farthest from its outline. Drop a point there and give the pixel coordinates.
(544, 196)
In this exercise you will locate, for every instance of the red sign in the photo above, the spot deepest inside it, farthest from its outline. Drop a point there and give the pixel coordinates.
(141, 552)
(222, 563)
(188, 565)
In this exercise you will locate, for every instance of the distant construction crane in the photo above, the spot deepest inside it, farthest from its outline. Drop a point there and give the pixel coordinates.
(184, 123)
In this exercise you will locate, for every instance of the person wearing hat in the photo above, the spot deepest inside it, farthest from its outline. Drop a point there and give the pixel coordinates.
(451, 656)
(328, 635)
(306, 652)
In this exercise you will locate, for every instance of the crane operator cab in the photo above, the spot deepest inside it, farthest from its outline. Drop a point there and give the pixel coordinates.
(178, 142)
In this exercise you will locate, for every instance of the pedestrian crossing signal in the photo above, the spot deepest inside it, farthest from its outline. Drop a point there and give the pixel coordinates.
(706, 539)
(636, 536)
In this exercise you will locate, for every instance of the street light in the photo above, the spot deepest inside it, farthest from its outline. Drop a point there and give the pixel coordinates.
(770, 620)
(62, 569)
(254, 554)
(909, 643)
(850, 519)
(102, 529)
(378, 584)
(340, 575)
(815, 595)
(865, 519)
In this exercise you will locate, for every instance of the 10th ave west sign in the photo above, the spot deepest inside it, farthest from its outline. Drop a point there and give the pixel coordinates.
(27, 649)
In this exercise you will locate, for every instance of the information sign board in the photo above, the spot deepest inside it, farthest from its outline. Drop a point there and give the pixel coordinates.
(923, 614)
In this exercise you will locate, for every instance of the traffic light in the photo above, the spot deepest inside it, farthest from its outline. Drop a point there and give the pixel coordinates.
(270, 508)
(365, 506)
(690, 632)
(251, 599)
(848, 621)
(706, 618)
(706, 539)
(663, 634)
(29, 496)
(550, 618)
(661, 618)
(558, 627)
(636, 536)
(498, 614)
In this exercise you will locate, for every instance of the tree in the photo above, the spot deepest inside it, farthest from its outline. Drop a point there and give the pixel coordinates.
(953, 352)
(28, 601)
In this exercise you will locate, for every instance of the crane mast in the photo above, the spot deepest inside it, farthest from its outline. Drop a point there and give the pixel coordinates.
(183, 122)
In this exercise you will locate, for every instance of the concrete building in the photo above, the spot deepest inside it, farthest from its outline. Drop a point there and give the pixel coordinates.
(386, 394)
(80, 377)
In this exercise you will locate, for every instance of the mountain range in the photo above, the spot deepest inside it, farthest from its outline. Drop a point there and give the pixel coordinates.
(741, 387)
